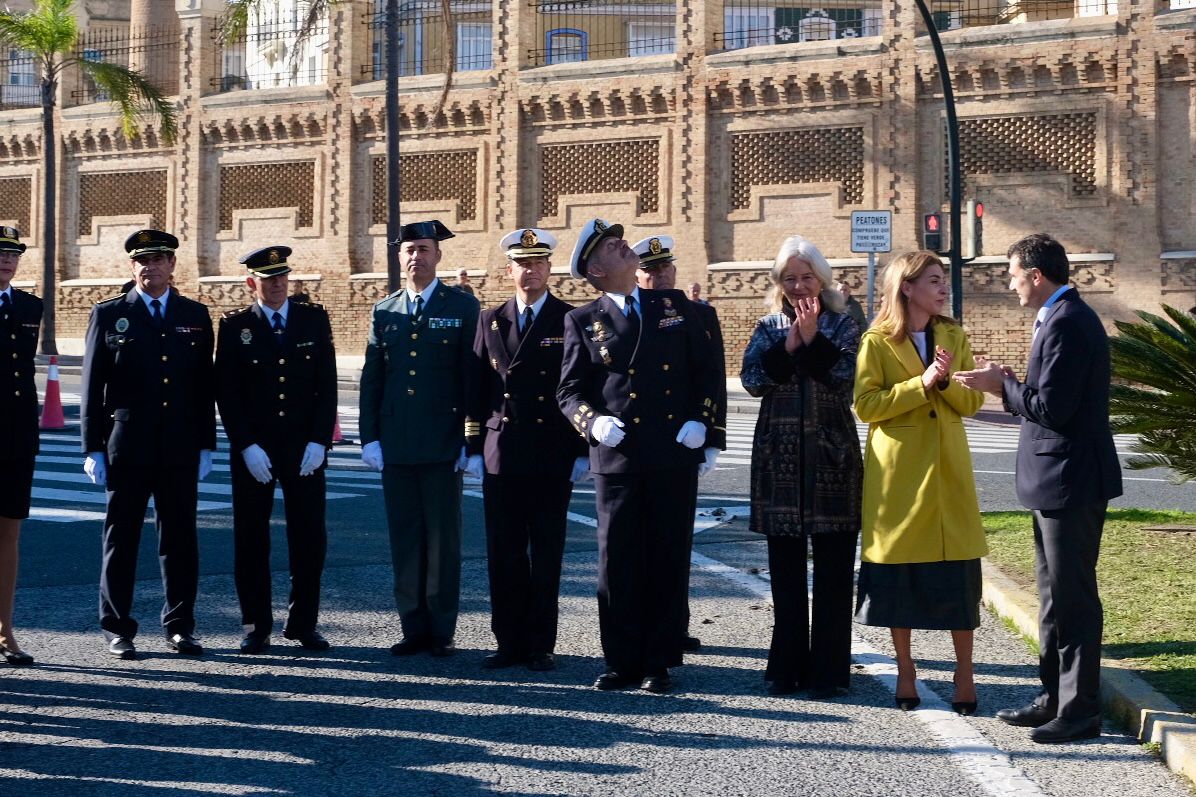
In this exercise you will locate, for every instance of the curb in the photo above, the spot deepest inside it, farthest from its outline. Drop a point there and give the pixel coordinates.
(1127, 699)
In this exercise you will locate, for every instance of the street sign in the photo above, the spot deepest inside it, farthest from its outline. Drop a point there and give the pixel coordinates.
(871, 230)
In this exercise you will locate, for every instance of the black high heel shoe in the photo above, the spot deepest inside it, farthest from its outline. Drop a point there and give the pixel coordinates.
(964, 708)
(15, 658)
(908, 703)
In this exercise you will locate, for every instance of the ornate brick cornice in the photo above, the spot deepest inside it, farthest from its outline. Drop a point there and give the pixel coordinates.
(848, 88)
(298, 126)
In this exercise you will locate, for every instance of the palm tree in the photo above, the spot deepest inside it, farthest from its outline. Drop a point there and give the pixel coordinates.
(1159, 359)
(50, 34)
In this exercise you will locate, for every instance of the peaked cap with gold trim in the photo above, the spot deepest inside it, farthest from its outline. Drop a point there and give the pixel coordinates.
(10, 240)
(593, 232)
(527, 242)
(269, 261)
(654, 251)
(144, 242)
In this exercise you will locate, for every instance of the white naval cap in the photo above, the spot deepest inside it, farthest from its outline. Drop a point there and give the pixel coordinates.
(593, 232)
(527, 242)
(654, 251)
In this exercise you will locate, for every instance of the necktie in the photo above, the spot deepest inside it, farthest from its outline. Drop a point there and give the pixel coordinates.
(419, 309)
(279, 328)
(632, 315)
(156, 312)
(528, 318)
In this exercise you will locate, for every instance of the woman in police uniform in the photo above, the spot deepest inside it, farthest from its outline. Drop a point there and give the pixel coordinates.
(20, 319)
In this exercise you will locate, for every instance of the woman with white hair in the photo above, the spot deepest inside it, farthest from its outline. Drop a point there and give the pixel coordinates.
(806, 468)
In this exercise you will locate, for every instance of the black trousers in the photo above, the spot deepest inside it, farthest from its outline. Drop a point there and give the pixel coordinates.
(307, 541)
(174, 491)
(815, 655)
(1070, 615)
(525, 540)
(643, 567)
(423, 512)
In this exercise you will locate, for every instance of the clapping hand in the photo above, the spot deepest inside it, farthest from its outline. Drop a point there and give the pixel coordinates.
(939, 370)
(805, 323)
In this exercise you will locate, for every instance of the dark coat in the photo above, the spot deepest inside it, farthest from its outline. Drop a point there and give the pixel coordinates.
(1065, 453)
(654, 380)
(148, 393)
(18, 394)
(522, 430)
(718, 355)
(280, 396)
(807, 471)
(418, 377)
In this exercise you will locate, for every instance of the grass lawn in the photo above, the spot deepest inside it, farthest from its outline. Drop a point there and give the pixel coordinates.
(1148, 587)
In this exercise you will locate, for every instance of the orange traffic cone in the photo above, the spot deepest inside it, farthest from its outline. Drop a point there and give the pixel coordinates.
(52, 417)
(337, 436)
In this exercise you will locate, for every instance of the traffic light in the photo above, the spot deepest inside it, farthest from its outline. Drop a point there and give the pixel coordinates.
(974, 233)
(932, 232)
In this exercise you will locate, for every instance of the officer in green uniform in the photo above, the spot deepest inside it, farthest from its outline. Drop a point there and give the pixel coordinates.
(415, 386)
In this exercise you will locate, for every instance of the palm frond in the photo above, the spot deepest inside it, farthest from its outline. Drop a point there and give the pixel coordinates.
(235, 22)
(50, 29)
(135, 97)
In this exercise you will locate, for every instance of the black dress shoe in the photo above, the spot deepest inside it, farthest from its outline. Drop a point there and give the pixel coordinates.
(17, 658)
(443, 649)
(657, 684)
(782, 687)
(1031, 716)
(541, 662)
(184, 644)
(691, 644)
(408, 646)
(1061, 730)
(309, 640)
(122, 648)
(253, 644)
(501, 660)
(611, 680)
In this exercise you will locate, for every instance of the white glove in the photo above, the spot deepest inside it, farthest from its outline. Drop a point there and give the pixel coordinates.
(258, 463)
(607, 430)
(581, 470)
(96, 467)
(692, 434)
(313, 458)
(462, 461)
(711, 461)
(371, 455)
(205, 463)
(475, 466)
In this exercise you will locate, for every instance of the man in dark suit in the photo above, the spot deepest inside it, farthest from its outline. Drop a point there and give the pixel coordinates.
(149, 428)
(526, 454)
(658, 271)
(20, 320)
(1067, 471)
(276, 389)
(638, 384)
(419, 374)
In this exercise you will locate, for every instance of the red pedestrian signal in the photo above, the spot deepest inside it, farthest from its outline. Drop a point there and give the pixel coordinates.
(932, 235)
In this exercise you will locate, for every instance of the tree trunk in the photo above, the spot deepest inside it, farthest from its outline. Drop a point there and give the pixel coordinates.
(49, 227)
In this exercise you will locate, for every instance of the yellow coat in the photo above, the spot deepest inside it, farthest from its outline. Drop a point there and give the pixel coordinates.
(919, 490)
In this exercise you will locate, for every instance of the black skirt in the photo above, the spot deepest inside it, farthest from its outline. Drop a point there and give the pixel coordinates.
(932, 596)
(16, 485)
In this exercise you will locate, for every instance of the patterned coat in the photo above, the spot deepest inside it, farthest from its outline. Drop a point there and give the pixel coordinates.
(806, 464)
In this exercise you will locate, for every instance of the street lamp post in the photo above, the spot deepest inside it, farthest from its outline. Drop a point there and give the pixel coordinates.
(954, 216)
(393, 273)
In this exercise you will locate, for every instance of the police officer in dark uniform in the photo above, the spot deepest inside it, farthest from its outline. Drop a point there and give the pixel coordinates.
(149, 429)
(415, 386)
(638, 384)
(658, 271)
(276, 389)
(20, 320)
(526, 454)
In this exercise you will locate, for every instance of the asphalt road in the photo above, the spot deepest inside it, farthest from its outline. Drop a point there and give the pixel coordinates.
(358, 721)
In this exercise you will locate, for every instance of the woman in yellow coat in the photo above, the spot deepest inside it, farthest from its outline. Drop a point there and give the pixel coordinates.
(922, 538)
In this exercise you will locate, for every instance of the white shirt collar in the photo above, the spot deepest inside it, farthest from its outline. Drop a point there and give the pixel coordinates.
(536, 305)
(286, 306)
(426, 292)
(1045, 310)
(145, 297)
(620, 299)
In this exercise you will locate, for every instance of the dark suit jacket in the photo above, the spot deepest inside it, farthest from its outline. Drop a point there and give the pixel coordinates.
(522, 430)
(653, 381)
(148, 393)
(714, 331)
(18, 394)
(1065, 455)
(280, 397)
(418, 377)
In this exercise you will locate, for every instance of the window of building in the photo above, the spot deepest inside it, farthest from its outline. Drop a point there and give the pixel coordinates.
(22, 70)
(565, 45)
(816, 26)
(747, 27)
(474, 46)
(234, 75)
(651, 38)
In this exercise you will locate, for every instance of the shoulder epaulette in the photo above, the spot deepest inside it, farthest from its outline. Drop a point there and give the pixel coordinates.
(388, 297)
(111, 298)
(238, 311)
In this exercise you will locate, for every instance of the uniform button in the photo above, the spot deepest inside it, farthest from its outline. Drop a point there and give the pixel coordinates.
(632, 395)
(282, 360)
(282, 413)
(635, 420)
(16, 373)
(668, 392)
(164, 358)
(163, 334)
(166, 380)
(14, 336)
(411, 373)
(631, 370)
(539, 398)
(16, 392)
(506, 395)
(282, 396)
(670, 416)
(410, 391)
(165, 403)
(542, 373)
(415, 336)
(413, 352)
(539, 420)
(933, 414)
(14, 355)
(665, 367)
(505, 419)
(282, 379)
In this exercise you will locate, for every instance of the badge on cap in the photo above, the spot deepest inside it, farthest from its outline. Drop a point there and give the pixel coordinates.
(654, 246)
(528, 238)
(273, 258)
(122, 325)
(143, 238)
